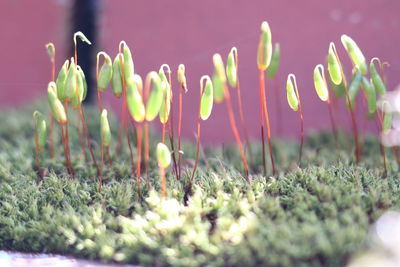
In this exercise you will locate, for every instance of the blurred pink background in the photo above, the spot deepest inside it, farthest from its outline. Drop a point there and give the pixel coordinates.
(190, 32)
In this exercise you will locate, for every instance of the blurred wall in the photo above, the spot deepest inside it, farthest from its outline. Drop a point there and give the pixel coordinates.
(190, 32)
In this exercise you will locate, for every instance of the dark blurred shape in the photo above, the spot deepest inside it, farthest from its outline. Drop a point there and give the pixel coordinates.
(84, 16)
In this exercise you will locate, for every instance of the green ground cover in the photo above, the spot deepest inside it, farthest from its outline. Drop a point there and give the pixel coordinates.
(318, 215)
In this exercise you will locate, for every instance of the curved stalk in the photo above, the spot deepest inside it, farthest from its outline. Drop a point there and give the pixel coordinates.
(241, 116)
(353, 119)
(37, 153)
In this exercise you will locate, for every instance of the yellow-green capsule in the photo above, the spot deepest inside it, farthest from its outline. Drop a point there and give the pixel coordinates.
(291, 93)
(338, 89)
(355, 53)
(105, 73)
(371, 95)
(61, 79)
(231, 70)
(155, 100)
(82, 37)
(56, 107)
(320, 82)
(105, 131)
(72, 81)
(40, 130)
(387, 117)
(264, 52)
(77, 99)
(51, 51)
(116, 77)
(82, 76)
(182, 77)
(354, 87)
(275, 62)
(218, 89)
(376, 78)
(163, 156)
(129, 69)
(219, 67)
(134, 98)
(334, 65)
(207, 99)
(166, 102)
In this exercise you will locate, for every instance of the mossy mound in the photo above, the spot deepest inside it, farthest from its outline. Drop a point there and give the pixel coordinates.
(315, 216)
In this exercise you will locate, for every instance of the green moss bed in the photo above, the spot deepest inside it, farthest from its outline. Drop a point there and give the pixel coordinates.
(318, 215)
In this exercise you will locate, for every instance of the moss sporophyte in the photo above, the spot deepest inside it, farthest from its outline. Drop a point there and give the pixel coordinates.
(143, 102)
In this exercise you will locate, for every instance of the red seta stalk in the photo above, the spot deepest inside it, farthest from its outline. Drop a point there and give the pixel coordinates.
(266, 116)
(352, 112)
(241, 116)
(37, 153)
(234, 129)
(51, 130)
(301, 120)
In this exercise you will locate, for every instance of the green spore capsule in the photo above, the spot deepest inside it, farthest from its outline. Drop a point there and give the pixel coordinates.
(166, 102)
(105, 73)
(387, 117)
(61, 79)
(320, 82)
(40, 129)
(77, 99)
(334, 65)
(264, 52)
(354, 87)
(154, 102)
(134, 98)
(376, 78)
(338, 89)
(231, 69)
(82, 37)
(72, 81)
(218, 89)
(82, 76)
(105, 131)
(182, 77)
(219, 67)
(371, 95)
(355, 54)
(292, 99)
(116, 81)
(51, 51)
(129, 69)
(207, 97)
(56, 107)
(275, 62)
(163, 155)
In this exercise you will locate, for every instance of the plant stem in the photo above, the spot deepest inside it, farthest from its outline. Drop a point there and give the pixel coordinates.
(51, 134)
(171, 128)
(353, 118)
(97, 82)
(37, 153)
(333, 123)
(301, 122)
(139, 154)
(378, 121)
(66, 139)
(81, 142)
(102, 165)
(265, 111)
(262, 123)
(146, 150)
(241, 116)
(65, 146)
(189, 187)
(163, 182)
(88, 140)
(278, 105)
(179, 131)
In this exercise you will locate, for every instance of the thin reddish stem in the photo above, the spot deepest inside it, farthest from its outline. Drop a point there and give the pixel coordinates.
(139, 153)
(301, 123)
(378, 121)
(278, 105)
(179, 131)
(146, 149)
(171, 128)
(241, 116)
(37, 153)
(163, 182)
(51, 130)
(265, 109)
(234, 129)
(88, 140)
(262, 122)
(352, 113)
(102, 165)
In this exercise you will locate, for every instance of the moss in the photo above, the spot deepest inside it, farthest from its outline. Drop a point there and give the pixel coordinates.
(315, 216)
